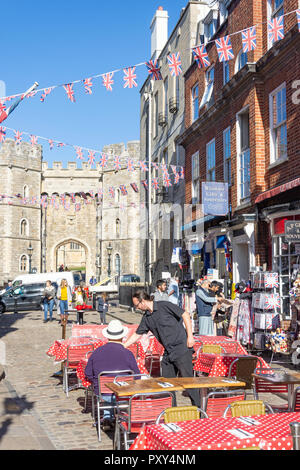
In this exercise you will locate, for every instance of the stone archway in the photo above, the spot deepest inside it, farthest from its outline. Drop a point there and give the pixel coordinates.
(73, 254)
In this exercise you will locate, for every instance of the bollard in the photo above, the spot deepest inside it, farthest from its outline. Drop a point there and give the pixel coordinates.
(295, 431)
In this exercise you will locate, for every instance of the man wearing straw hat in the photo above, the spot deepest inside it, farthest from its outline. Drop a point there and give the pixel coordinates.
(112, 356)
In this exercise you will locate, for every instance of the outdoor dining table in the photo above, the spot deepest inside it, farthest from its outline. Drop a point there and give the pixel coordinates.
(222, 340)
(270, 432)
(290, 379)
(217, 365)
(59, 348)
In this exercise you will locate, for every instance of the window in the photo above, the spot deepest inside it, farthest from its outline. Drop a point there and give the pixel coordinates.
(278, 128)
(24, 227)
(118, 264)
(118, 228)
(117, 195)
(241, 60)
(227, 155)
(177, 88)
(207, 97)
(23, 263)
(26, 191)
(210, 29)
(226, 72)
(211, 161)
(195, 102)
(243, 155)
(74, 246)
(195, 178)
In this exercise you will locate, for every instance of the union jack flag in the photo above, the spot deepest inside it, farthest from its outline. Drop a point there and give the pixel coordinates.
(130, 165)
(2, 133)
(53, 200)
(18, 136)
(70, 92)
(276, 29)
(51, 143)
(155, 183)
(144, 182)
(33, 140)
(79, 153)
(117, 164)
(298, 18)
(153, 70)
(77, 207)
(73, 197)
(111, 191)
(88, 85)
(60, 144)
(224, 49)
(164, 168)
(130, 77)
(91, 157)
(123, 189)
(167, 180)
(44, 201)
(100, 194)
(103, 160)
(47, 91)
(143, 166)
(31, 94)
(201, 56)
(134, 187)
(249, 39)
(108, 80)
(176, 178)
(155, 165)
(182, 173)
(63, 199)
(227, 257)
(174, 64)
(6, 112)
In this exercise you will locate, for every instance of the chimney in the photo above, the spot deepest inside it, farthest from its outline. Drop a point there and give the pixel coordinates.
(159, 32)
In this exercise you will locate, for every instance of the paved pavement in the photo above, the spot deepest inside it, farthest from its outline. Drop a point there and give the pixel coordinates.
(35, 414)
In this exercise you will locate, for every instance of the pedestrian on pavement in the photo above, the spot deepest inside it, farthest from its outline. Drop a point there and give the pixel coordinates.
(64, 295)
(161, 291)
(80, 298)
(172, 327)
(205, 300)
(173, 291)
(9, 285)
(48, 300)
(110, 357)
(93, 281)
(102, 307)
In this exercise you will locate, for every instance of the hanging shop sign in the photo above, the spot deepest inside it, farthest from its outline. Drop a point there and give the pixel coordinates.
(292, 230)
(215, 198)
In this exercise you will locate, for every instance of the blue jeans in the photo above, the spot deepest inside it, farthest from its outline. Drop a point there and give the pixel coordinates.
(63, 305)
(48, 306)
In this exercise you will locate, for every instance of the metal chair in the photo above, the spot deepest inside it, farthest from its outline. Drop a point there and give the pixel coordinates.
(181, 413)
(296, 400)
(216, 402)
(75, 354)
(156, 358)
(245, 367)
(105, 377)
(262, 386)
(247, 408)
(144, 408)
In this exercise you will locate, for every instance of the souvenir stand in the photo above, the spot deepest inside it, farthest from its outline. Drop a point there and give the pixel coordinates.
(271, 332)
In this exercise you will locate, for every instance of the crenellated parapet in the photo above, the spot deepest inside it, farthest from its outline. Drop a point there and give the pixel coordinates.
(19, 155)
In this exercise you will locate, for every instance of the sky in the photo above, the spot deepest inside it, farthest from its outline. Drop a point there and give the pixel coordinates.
(58, 42)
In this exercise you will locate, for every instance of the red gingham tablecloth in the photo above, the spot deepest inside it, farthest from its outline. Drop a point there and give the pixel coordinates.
(272, 433)
(216, 365)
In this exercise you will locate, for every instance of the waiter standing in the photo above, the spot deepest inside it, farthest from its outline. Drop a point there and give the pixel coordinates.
(166, 321)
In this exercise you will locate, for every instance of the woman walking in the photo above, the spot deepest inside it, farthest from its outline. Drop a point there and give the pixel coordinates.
(80, 299)
(48, 301)
(64, 295)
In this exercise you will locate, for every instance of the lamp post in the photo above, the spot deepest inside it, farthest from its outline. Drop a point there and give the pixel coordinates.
(29, 251)
(109, 252)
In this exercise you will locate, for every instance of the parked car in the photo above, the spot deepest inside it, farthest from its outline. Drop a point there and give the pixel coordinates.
(130, 278)
(24, 297)
(38, 278)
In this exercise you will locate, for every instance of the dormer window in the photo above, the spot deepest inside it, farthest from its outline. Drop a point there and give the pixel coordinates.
(210, 24)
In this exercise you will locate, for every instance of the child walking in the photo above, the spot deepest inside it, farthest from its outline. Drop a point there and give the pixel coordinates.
(102, 308)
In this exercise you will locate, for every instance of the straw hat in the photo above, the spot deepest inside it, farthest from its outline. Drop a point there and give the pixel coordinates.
(115, 330)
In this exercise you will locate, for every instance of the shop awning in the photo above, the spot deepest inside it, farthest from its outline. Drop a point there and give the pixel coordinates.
(277, 190)
(194, 223)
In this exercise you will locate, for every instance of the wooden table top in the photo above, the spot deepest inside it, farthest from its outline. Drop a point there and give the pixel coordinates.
(284, 379)
(143, 386)
(208, 382)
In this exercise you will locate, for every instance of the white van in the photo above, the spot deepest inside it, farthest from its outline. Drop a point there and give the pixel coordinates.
(73, 279)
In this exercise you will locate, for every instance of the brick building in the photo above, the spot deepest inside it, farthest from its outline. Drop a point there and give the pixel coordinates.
(241, 127)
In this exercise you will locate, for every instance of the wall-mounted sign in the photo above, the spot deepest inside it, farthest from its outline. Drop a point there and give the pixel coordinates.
(292, 230)
(215, 198)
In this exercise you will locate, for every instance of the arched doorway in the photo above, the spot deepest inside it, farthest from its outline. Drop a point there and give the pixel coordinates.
(72, 255)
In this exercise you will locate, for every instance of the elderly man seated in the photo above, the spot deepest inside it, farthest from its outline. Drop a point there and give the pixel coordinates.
(112, 356)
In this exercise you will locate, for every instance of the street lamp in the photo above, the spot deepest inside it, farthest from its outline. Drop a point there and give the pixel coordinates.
(29, 251)
(109, 252)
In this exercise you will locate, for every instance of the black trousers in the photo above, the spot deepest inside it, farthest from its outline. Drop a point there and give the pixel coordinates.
(184, 366)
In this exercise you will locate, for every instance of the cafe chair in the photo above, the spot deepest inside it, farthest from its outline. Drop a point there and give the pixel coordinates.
(244, 368)
(106, 377)
(143, 409)
(248, 408)
(216, 401)
(156, 358)
(75, 354)
(181, 413)
(262, 386)
(296, 400)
